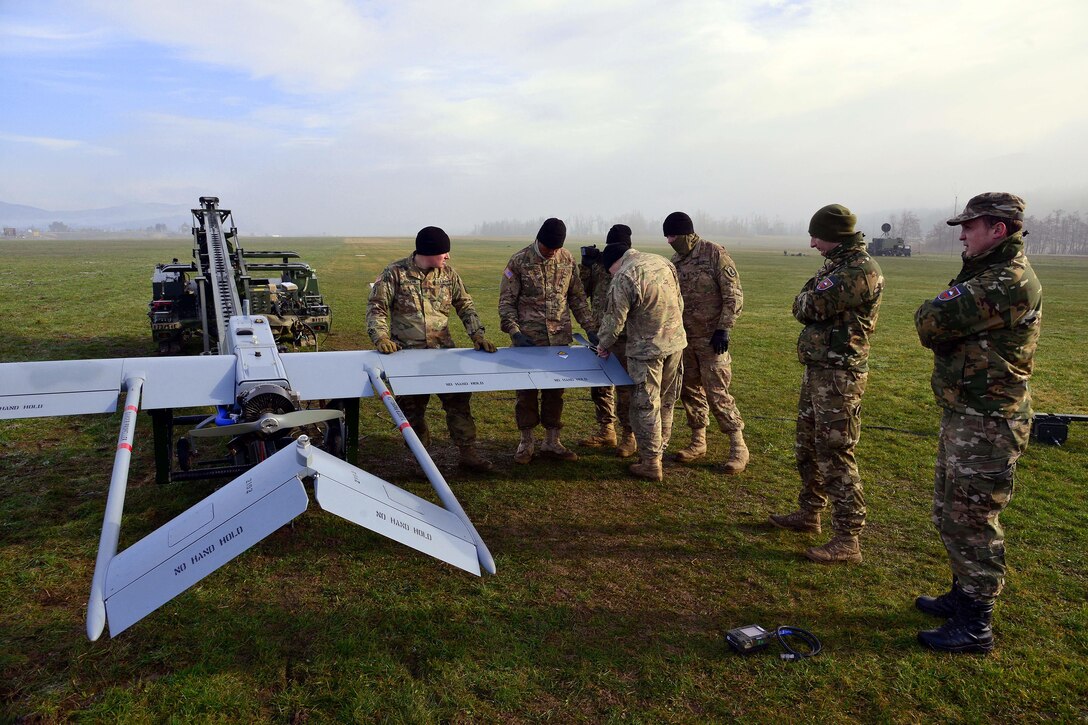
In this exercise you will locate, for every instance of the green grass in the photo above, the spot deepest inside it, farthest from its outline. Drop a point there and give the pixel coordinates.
(612, 595)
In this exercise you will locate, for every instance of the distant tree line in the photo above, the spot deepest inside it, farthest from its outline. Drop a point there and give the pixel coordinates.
(1059, 232)
(594, 226)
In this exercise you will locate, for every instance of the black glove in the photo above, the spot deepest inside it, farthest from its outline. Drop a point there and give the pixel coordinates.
(720, 341)
(593, 339)
(521, 340)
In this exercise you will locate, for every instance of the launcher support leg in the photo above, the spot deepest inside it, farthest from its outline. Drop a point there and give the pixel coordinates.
(115, 503)
(438, 483)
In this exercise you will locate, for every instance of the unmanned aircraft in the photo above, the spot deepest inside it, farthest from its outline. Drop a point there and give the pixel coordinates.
(129, 585)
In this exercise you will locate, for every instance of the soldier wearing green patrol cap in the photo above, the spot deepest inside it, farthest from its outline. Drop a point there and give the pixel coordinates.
(983, 330)
(838, 307)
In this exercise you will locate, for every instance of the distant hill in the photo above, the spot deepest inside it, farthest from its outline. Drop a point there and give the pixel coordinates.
(114, 218)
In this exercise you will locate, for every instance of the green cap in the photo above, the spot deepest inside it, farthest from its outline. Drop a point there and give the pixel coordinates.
(999, 204)
(834, 223)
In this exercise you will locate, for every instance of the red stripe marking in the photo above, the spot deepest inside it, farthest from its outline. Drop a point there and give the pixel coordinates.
(404, 425)
(385, 393)
(126, 446)
(131, 407)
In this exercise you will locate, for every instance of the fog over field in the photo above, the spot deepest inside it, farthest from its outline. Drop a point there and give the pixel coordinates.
(342, 117)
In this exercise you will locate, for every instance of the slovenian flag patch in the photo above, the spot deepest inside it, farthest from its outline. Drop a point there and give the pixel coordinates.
(950, 294)
(825, 284)
(508, 273)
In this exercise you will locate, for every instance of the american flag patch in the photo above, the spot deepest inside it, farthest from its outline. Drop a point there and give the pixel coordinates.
(825, 284)
(508, 273)
(950, 294)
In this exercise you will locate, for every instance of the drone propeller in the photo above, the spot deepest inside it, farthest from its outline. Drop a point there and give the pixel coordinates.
(269, 423)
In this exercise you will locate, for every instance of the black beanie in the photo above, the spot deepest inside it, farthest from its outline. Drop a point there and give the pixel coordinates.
(833, 223)
(619, 234)
(552, 234)
(431, 241)
(677, 223)
(611, 253)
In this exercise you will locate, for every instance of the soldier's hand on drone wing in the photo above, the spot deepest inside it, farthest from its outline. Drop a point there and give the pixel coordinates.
(482, 343)
(521, 340)
(386, 346)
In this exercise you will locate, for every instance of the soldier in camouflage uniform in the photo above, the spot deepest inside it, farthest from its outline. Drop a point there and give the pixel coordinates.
(983, 331)
(838, 308)
(610, 404)
(409, 307)
(539, 291)
(712, 303)
(644, 301)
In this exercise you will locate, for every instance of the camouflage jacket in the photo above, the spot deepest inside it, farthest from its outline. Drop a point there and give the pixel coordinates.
(644, 300)
(412, 306)
(537, 297)
(983, 331)
(838, 308)
(595, 279)
(711, 288)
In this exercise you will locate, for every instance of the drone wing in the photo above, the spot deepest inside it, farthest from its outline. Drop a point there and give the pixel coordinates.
(178, 554)
(412, 372)
(81, 387)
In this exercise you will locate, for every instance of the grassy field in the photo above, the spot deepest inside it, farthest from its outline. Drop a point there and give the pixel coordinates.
(612, 595)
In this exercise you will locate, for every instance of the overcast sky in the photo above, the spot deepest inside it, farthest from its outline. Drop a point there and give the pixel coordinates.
(352, 117)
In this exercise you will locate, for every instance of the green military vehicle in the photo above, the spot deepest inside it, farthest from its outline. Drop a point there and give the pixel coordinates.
(183, 307)
(886, 246)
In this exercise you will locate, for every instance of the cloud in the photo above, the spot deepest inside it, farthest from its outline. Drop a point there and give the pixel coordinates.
(319, 46)
(378, 111)
(58, 144)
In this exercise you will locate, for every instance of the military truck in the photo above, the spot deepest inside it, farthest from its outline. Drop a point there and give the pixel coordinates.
(186, 298)
(886, 246)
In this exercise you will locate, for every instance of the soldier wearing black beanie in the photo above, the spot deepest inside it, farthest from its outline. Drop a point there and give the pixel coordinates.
(676, 224)
(619, 234)
(552, 234)
(539, 291)
(409, 307)
(431, 241)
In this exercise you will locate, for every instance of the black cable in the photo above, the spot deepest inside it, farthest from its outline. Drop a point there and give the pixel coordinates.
(814, 645)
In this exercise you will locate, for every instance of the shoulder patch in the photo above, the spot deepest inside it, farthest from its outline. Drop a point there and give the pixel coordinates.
(731, 271)
(508, 273)
(826, 283)
(950, 294)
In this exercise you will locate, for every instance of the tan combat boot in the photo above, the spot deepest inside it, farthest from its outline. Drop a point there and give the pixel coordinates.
(526, 447)
(647, 467)
(845, 549)
(805, 521)
(696, 449)
(627, 445)
(472, 460)
(603, 438)
(552, 445)
(738, 453)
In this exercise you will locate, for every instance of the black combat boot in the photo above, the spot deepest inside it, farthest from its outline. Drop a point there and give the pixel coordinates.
(944, 605)
(968, 631)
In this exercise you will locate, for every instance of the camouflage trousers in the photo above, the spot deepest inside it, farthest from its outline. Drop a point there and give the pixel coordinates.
(973, 482)
(459, 422)
(613, 404)
(657, 385)
(706, 387)
(828, 429)
(528, 413)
